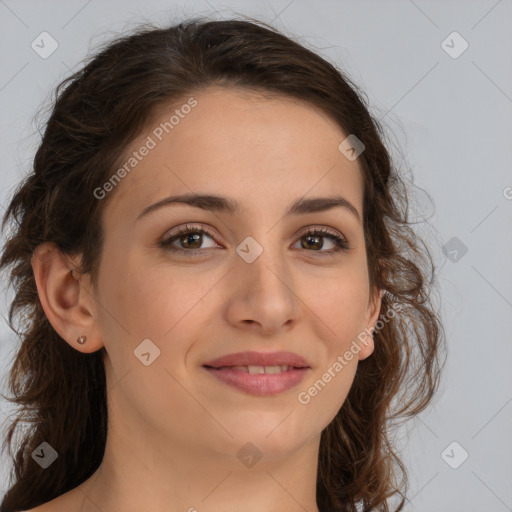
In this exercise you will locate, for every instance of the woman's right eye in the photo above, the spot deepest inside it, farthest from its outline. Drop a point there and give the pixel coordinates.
(190, 239)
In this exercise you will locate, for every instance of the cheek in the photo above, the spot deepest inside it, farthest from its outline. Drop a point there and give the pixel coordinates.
(147, 300)
(320, 399)
(340, 303)
(160, 302)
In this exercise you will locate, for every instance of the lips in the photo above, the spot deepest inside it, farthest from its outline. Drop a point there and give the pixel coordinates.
(258, 373)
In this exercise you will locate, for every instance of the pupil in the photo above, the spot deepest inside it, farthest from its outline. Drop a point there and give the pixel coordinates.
(315, 237)
(189, 236)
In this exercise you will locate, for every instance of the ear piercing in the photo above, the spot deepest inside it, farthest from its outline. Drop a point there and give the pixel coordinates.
(81, 340)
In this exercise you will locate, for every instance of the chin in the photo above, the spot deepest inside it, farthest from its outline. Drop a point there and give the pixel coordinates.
(275, 434)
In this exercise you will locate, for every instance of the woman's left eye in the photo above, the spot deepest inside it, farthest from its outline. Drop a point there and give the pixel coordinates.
(190, 238)
(314, 237)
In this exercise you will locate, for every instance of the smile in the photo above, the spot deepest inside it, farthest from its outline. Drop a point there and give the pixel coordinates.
(259, 380)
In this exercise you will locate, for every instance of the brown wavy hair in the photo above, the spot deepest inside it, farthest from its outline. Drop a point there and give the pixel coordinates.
(60, 393)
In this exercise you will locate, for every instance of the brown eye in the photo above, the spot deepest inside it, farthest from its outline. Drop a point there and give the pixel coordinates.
(313, 241)
(188, 240)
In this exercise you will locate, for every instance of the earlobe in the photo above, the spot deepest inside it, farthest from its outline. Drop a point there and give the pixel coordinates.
(68, 305)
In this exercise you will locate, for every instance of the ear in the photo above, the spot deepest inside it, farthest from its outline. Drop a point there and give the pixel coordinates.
(371, 317)
(66, 297)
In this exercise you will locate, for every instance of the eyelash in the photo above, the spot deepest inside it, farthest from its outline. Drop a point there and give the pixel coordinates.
(341, 243)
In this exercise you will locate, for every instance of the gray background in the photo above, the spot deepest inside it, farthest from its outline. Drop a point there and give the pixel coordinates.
(450, 118)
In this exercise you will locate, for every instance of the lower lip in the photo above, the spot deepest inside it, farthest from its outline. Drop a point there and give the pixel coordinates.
(260, 384)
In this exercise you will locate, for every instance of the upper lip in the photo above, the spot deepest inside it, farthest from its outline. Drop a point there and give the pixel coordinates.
(259, 359)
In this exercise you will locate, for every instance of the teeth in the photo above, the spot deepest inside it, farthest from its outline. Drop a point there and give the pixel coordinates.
(260, 370)
(263, 369)
(240, 368)
(256, 369)
(272, 369)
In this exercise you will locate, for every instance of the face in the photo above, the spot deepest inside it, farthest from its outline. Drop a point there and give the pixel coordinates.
(250, 280)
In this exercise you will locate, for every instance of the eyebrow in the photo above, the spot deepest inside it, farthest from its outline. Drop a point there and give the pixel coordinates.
(222, 204)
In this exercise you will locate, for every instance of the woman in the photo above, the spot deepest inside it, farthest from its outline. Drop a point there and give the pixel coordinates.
(219, 295)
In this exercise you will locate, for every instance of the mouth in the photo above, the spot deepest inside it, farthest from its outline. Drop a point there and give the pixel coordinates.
(259, 380)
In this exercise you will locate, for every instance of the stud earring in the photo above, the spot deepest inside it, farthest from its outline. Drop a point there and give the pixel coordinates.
(81, 340)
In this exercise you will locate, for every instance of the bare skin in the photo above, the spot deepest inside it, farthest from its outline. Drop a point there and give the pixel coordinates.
(174, 429)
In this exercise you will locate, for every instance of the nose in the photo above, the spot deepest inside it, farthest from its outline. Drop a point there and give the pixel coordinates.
(262, 296)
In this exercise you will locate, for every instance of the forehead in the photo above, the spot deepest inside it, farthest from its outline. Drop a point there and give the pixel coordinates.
(260, 149)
